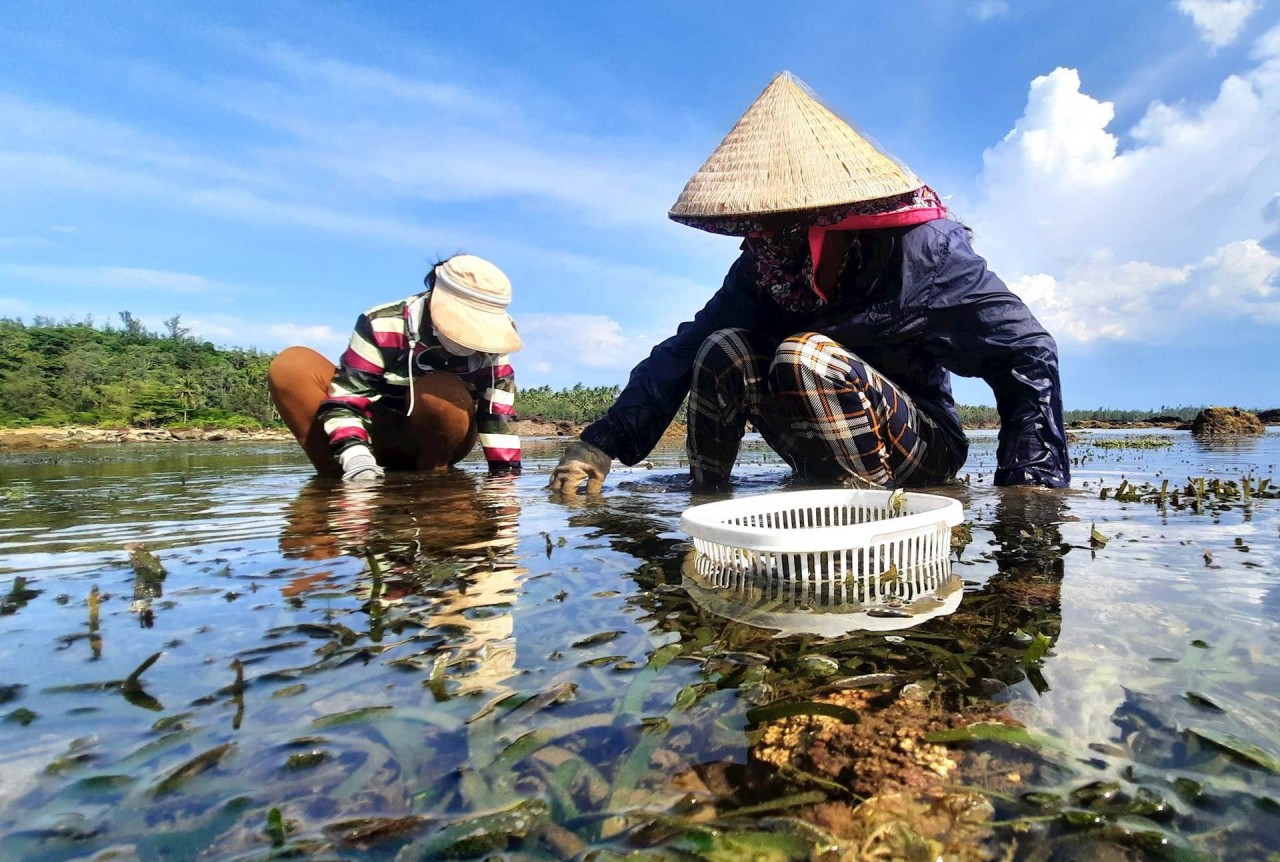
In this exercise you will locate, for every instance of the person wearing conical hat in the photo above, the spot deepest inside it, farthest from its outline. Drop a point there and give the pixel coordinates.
(837, 329)
(422, 379)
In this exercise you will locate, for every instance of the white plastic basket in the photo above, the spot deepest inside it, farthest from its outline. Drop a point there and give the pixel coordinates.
(828, 535)
(824, 608)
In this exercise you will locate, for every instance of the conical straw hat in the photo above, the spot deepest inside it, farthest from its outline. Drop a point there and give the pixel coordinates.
(787, 153)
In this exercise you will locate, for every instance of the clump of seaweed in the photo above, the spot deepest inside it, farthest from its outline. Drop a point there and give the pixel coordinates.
(1146, 441)
(1198, 495)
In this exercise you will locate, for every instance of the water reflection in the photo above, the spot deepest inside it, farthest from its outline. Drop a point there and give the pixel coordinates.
(1228, 444)
(409, 518)
(1022, 600)
(378, 660)
(438, 546)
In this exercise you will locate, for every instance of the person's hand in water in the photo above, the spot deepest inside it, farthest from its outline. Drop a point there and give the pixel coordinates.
(581, 461)
(359, 466)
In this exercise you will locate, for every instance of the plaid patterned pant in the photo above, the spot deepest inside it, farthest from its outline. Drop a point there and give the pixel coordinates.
(828, 414)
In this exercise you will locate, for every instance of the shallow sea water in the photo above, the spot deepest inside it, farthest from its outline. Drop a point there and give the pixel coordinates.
(454, 665)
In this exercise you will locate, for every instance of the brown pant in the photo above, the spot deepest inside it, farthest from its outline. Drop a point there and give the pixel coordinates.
(441, 431)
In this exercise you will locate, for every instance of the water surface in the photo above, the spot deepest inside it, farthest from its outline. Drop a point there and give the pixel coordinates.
(359, 673)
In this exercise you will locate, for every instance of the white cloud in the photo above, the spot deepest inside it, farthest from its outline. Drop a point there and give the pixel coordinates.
(350, 78)
(293, 333)
(1101, 300)
(1220, 22)
(114, 278)
(1169, 233)
(560, 349)
(250, 207)
(267, 335)
(346, 148)
(24, 242)
(50, 151)
(985, 10)
(568, 348)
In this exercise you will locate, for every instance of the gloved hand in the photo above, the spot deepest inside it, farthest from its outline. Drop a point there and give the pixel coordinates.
(359, 465)
(580, 461)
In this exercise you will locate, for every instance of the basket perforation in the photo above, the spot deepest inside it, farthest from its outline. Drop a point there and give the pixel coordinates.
(835, 535)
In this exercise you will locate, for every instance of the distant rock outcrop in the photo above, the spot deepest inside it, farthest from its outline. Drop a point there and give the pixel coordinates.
(1214, 421)
(1270, 417)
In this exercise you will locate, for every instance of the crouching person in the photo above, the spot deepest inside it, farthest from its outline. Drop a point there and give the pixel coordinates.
(422, 379)
(837, 330)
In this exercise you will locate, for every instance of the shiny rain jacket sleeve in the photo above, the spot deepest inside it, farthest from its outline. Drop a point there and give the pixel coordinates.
(658, 385)
(978, 328)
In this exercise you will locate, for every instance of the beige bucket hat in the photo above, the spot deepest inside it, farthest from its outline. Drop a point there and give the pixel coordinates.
(469, 305)
(788, 152)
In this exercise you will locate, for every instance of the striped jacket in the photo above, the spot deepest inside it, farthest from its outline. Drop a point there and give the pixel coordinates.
(375, 368)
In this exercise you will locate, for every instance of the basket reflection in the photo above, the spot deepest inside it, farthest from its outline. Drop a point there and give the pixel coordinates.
(825, 534)
(887, 601)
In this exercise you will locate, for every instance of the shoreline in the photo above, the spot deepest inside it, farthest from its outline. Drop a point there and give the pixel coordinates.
(41, 438)
(49, 437)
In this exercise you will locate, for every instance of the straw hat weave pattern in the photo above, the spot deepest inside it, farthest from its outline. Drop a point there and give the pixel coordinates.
(788, 152)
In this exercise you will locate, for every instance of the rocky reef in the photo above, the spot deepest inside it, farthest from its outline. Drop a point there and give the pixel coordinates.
(1216, 421)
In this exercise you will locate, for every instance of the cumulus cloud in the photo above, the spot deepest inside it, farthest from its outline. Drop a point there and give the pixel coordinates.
(1220, 22)
(985, 10)
(1101, 300)
(1110, 235)
(570, 348)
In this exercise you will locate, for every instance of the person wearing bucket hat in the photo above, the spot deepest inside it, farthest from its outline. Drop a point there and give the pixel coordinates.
(836, 331)
(422, 379)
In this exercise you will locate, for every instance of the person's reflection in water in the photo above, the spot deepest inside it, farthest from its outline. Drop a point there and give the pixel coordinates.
(440, 546)
(1023, 599)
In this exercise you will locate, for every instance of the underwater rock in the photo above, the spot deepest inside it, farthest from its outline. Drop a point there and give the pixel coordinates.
(884, 751)
(1226, 420)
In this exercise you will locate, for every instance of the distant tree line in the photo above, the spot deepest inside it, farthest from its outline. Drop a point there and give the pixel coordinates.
(578, 403)
(987, 417)
(586, 404)
(73, 372)
(76, 372)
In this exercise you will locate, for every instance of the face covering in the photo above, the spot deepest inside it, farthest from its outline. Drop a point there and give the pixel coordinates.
(786, 254)
(452, 346)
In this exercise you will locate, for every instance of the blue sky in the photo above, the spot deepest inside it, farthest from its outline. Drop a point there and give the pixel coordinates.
(270, 170)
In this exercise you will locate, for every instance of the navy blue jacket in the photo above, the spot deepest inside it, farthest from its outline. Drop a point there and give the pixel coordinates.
(921, 306)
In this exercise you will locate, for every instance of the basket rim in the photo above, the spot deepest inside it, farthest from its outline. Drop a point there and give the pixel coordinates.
(936, 510)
